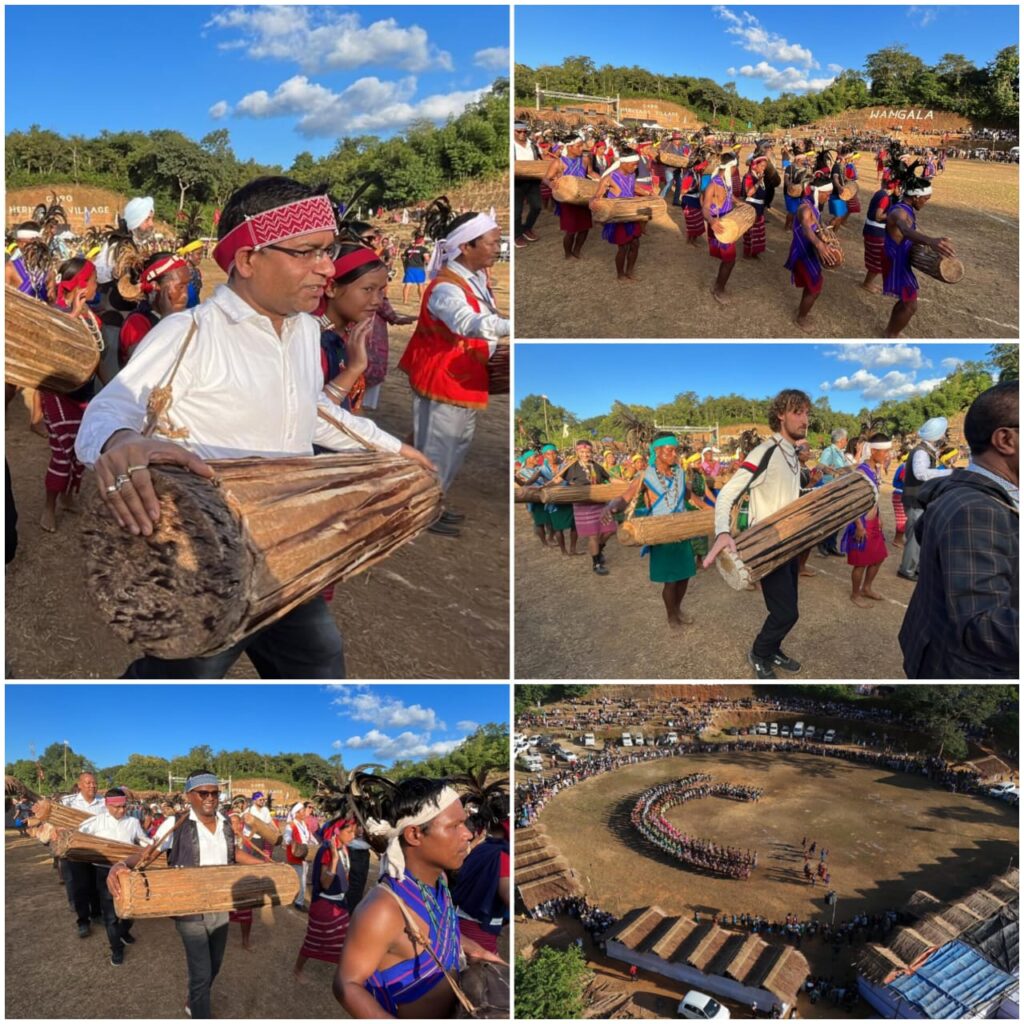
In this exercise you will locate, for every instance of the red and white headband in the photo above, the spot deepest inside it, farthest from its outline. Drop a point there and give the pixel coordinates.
(304, 217)
(155, 270)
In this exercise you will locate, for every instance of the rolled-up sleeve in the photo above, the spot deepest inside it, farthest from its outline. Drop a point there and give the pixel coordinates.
(448, 304)
(337, 440)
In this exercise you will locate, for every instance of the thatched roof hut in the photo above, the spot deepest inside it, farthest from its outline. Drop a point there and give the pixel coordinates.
(879, 965)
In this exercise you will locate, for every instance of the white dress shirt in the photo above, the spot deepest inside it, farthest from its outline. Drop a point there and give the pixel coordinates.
(240, 389)
(921, 464)
(263, 813)
(775, 488)
(525, 151)
(213, 848)
(448, 304)
(124, 830)
(95, 806)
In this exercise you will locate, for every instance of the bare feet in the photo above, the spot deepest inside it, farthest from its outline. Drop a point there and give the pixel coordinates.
(299, 977)
(873, 289)
(68, 503)
(719, 297)
(859, 601)
(805, 323)
(48, 520)
(808, 572)
(248, 947)
(870, 593)
(675, 623)
(40, 429)
(686, 618)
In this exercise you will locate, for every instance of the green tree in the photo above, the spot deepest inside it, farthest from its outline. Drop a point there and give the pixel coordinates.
(550, 984)
(893, 71)
(531, 417)
(1006, 359)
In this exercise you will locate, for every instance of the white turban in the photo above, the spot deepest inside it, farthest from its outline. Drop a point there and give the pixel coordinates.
(933, 429)
(392, 861)
(447, 249)
(137, 210)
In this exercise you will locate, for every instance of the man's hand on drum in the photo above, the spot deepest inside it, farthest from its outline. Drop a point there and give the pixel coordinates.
(125, 483)
(722, 542)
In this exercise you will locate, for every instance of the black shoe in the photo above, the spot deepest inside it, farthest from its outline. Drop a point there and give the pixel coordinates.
(762, 669)
(449, 515)
(906, 575)
(84, 930)
(117, 956)
(779, 660)
(600, 569)
(127, 938)
(444, 529)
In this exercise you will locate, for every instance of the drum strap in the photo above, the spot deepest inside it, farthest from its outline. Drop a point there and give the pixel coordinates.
(160, 398)
(761, 467)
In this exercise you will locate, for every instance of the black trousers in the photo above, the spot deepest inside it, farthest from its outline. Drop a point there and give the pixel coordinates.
(111, 922)
(527, 192)
(305, 644)
(358, 872)
(779, 589)
(84, 893)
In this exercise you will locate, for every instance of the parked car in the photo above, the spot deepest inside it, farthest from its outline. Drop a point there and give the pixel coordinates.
(588, 740)
(672, 739)
(627, 740)
(784, 732)
(809, 732)
(798, 730)
(566, 755)
(732, 731)
(698, 1006)
(762, 728)
(1002, 790)
(773, 729)
(830, 736)
(638, 739)
(532, 762)
(534, 740)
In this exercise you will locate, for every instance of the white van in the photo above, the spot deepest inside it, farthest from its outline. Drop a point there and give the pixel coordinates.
(588, 740)
(798, 730)
(627, 740)
(531, 762)
(809, 732)
(773, 729)
(672, 739)
(638, 739)
(762, 728)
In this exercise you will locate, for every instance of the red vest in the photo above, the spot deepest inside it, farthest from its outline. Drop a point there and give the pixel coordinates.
(442, 365)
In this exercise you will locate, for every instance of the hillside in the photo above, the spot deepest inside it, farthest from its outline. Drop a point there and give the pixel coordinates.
(669, 115)
(906, 120)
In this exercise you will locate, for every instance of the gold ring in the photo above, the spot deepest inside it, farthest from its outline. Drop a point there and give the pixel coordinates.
(133, 469)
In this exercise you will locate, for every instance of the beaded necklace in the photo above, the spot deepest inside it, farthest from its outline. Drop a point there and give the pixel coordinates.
(433, 906)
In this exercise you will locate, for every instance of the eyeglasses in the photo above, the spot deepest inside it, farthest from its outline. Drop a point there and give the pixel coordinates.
(206, 794)
(329, 252)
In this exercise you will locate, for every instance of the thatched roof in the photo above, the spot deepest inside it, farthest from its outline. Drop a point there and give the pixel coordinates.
(671, 942)
(1003, 890)
(922, 903)
(552, 866)
(910, 946)
(731, 948)
(762, 966)
(525, 860)
(786, 978)
(935, 930)
(704, 955)
(633, 936)
(656, 934)
(748, 955)
(958, 917)
(987, 767)
(983, 902)
(548, 889)
(529, 845)
(879, 965)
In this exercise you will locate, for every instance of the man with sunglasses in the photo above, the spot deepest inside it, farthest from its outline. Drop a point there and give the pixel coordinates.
(204, 839)
(248, 383)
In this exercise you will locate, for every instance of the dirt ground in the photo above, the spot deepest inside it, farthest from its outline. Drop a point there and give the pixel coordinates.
(51, 973)
(453, 593)
(624, 618)
(975, 204)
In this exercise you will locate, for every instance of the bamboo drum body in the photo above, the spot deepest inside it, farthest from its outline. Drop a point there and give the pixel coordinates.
(178, 892)
(623, 211)
(311, 852)
(535, 169)
(794, 191)
(773, 541)
(45, 348)
(828, 236)
(673, 160)
(947, 269)
(556, 494)
(524, 494)
(574, 191)
(58, 815)
(733, 226)
(78, 846)
(849, 191)
(232, 555)
(499, 370)
(666, 529)
(266, 831)
(772, 178)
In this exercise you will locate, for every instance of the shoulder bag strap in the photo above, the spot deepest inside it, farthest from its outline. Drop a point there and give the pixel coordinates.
(761, 467)
(161, 397)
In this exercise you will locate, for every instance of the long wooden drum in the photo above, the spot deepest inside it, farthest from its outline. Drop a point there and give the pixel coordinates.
(666, 529)
(265, 830)
(829, 237)
(45, 348)
(186, 891)
(773, 541)
(849, 191)
(733, 226)
(772, 178)
(795, 191)
(621, 211)
(673, 160)
(535, 169)
(574, 191)
(943, 268)
(528, 494)
(78, 846)
(57, 815)
(499, 370)
(234, 554)
(557, 494)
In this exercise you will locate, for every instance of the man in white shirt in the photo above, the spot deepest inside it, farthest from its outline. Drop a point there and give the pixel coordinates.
(114, 823)
(244, 373)
(771, 473)
(81, 878)
(203, 839)
(458, 331)
(922, 466)
(259, 809)
(526, 190)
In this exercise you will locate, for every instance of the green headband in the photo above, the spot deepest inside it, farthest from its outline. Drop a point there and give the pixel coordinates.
(527, 455)
(549, 448)
(660, 443)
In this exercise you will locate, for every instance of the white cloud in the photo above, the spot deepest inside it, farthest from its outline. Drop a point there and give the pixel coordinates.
(753, 36)
(467, 726)
(367, 105)
(923, 16)
(835, 68)
(406, 745)
(892, 385)
(824, 386)
(787, 79)
(220, 109)
(364, 705)
(493, 58)
(952, 363)
(323, 39)
(877, 355)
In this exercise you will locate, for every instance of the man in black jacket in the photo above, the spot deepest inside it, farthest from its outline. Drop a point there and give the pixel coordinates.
(963, 620)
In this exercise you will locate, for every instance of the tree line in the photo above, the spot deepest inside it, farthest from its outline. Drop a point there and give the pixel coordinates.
(185, 175)
(55, 770)
(892, 76)
(952, 396)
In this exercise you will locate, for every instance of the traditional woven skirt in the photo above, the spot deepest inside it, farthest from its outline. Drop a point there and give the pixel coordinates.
(240, 916)
(561, 518)
(854, 204)
(874, 550)
(623, 233)
(537, 513)
(737, 188)
(673, 562)
(754, 239)
(802, 277)
(720, 251)
(545, 191)
(873, 246)
(899, 511)
(588, 519)
(326, 931)
(472, 930)
(694, 221)
(63, 416)
(574, 218)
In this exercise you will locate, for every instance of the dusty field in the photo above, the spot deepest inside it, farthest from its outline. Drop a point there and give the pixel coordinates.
(975, 204)
(629, 638)
(448, 590)
(51, 973)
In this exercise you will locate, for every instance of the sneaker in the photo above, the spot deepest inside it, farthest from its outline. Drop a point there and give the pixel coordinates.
(762, 669)
(188, 1010)
(600, 569)
(127, 938)
(449, 515)
(530, 236)
(520, 243)
(84, 931)
(117, 956)
(780, 660)
(443, 528)
(906, 575)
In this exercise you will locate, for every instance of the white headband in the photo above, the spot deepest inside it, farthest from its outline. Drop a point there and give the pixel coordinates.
(24, 236)
(447, 249)
(392, 861)
(926, 191)
(880, 446)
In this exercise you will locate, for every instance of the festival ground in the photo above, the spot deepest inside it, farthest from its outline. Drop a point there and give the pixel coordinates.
(51, 973)
(446, 589)
(619, 619)
(975, 204)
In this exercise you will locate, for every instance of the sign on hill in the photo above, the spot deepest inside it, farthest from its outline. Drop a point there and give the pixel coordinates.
(86, 205)
(669, 115)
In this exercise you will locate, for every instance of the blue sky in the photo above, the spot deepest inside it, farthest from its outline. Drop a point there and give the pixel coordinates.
(280, 79)
(586, 378)
(767, 49)
(361, 722)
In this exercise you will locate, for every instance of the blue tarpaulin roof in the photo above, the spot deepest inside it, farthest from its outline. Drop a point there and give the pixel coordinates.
(953, 983)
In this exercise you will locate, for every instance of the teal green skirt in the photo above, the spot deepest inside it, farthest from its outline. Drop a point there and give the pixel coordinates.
(671, 563)
(540, 517)
(561, 518)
